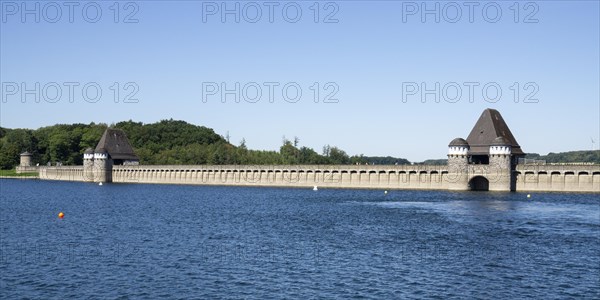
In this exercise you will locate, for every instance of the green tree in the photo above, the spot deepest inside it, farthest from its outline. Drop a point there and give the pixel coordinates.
(15, 142)
(338, 156)
(289, 153)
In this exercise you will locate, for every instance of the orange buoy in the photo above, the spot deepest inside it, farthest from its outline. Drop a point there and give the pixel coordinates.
(61, 215)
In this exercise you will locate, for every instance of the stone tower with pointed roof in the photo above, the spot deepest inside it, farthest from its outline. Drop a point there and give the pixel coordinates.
(112, 149)
(486, 160)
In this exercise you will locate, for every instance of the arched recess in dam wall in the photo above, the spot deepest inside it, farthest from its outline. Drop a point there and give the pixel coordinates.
(527, 178)
(584, 178)
(335, 176)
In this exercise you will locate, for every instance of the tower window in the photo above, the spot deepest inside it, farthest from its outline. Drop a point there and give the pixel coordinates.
(479, 160)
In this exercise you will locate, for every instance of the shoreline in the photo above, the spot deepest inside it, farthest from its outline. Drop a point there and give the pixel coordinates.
(19, 177)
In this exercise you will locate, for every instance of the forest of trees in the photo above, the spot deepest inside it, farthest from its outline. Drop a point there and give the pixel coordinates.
(167, 142)
(172, 142)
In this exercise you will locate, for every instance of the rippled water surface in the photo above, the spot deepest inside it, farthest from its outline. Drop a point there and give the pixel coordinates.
(142, 241)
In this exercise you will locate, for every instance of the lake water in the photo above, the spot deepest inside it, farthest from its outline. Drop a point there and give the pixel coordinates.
(142, 241)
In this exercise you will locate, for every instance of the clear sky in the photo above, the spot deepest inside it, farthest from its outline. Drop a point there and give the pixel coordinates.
(371, 61)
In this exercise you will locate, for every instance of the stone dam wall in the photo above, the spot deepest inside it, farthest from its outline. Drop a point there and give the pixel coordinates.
(557, 178)
(569, 178)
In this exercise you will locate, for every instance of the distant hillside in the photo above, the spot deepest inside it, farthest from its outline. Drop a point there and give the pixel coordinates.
(380, 160)
(586, 156)
(434, 162)
(165, 142)
(563, 157)
(178, 142)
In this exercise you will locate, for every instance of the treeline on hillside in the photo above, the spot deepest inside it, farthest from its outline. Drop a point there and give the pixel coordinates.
(382, 160)
(433, 162)
(178, 142)
(563, 157)
(166, 142)
(58, 143)
(589, 156)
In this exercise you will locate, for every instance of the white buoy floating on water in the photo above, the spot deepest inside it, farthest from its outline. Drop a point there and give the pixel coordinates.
(315, 188)
(100, 183)
(385, 192)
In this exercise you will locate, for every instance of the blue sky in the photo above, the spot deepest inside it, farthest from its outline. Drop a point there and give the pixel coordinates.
(368, 59)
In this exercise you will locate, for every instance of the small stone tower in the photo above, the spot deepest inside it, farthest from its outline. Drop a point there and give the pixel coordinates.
(500, 170)
(458, 164)
(102, 166)
(88, 165)
(25, 159)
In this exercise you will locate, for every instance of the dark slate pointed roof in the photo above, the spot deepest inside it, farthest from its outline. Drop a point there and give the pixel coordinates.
(501, 141)
(115, 142)
(490, 126)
